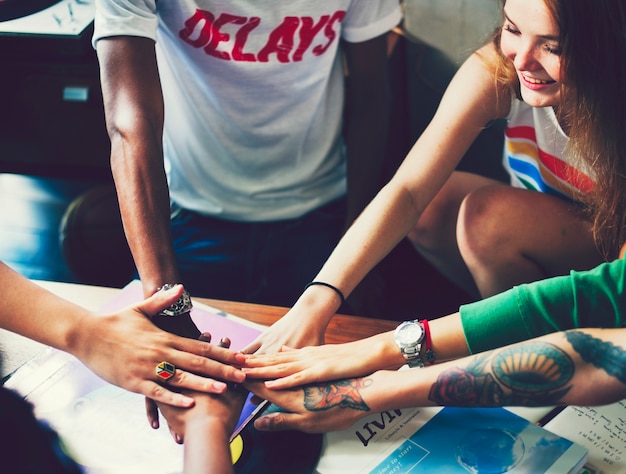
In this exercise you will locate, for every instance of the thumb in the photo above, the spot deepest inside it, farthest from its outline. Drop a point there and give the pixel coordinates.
(276, 422)
(159, 301)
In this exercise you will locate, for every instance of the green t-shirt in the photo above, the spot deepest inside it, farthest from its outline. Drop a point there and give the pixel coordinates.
(595, 298)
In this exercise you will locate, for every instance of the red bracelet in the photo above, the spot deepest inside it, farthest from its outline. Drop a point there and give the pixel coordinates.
(430, 355)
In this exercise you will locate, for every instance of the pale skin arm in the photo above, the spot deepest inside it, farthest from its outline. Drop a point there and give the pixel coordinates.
(591, 371)
(461, 116)
(294, 367)
(102, 341)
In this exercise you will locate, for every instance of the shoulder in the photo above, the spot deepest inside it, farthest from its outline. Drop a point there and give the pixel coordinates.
(480, 68)
(474, 91)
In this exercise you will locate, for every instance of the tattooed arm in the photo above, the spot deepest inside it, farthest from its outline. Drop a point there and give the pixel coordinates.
(579, 367)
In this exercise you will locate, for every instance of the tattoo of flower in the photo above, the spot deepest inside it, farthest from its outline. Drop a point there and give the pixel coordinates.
(526, 374)
(343, 394)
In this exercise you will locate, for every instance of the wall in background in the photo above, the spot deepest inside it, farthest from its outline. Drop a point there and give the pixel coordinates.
(456, 27)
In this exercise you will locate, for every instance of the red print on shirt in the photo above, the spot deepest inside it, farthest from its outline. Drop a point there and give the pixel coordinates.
(288, 41)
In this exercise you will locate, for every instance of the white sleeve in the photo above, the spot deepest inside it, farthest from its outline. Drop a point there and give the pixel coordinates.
(125, 18)
(367, 19)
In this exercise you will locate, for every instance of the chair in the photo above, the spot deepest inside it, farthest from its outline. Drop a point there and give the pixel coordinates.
(92, 239)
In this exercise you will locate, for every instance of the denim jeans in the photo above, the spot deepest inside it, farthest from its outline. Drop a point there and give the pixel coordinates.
(259, 262)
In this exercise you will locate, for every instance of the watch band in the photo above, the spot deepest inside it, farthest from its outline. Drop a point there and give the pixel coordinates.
(180, 306)
(414, 360)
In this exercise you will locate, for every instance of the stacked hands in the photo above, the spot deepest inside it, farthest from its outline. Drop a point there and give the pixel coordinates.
(200, 387)
(195, 382)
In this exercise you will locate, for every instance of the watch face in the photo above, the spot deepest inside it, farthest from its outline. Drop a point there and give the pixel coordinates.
(409, 334)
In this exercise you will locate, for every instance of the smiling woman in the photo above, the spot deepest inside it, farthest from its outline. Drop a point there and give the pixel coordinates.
(534, 52)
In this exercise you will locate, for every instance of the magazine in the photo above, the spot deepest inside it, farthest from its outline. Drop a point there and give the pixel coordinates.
(601, 429)
(450, 440)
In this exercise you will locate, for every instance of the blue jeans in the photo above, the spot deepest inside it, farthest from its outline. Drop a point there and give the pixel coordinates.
(258, 262)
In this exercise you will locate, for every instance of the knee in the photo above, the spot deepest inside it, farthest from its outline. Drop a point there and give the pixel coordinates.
(426, 233)
(482, 231)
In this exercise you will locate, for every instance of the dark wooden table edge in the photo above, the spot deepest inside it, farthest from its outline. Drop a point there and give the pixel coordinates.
(342, 328)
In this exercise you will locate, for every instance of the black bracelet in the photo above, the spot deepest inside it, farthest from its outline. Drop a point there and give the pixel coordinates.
(328, 285)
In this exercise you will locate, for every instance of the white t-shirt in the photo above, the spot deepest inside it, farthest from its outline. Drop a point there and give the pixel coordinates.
(253, 96)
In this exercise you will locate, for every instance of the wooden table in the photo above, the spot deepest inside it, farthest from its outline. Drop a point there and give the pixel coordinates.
(342, 328)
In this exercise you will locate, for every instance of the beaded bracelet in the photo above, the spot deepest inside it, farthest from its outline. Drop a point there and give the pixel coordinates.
(328, 285)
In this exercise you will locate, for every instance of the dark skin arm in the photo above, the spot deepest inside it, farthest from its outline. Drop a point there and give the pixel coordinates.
(133, 103)
(578, 367)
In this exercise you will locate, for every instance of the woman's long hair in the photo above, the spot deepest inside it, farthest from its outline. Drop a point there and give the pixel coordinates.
(593, 105)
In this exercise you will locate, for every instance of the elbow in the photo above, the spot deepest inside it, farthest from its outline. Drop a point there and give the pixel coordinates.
(129, 133)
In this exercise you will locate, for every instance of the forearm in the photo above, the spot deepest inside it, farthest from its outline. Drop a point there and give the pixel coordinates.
(206, 448)
(134, 113)
(380, 227)
(145, 209)
(34, 312)
(580, 367)
(593, 298)
(312, 364)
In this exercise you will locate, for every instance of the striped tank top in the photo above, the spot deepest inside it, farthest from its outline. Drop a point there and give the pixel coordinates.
(535, 153)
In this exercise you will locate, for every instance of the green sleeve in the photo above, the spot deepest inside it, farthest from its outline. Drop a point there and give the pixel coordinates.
(595, 298)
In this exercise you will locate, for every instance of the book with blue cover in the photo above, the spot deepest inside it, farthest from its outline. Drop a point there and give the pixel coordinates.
(450, 440)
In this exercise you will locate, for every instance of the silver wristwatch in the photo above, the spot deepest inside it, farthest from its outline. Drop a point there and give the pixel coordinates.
(409, 337)
(181, 306)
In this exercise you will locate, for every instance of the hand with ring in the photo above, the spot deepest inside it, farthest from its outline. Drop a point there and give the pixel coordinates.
(156, 364)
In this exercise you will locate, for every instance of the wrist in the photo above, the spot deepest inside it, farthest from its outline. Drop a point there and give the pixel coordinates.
(389, 355)
(215, 425)
(76, 338)
(338, 293)
(413, 339)
(176, 318)
(319, 301)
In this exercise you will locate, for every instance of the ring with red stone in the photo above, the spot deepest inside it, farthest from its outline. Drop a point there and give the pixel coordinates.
(165, 371)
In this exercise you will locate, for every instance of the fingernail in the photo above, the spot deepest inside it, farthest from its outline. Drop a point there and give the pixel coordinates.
(262, 424)
(221, 386)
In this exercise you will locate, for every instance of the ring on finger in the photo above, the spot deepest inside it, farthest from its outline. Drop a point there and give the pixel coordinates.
(165, 370)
